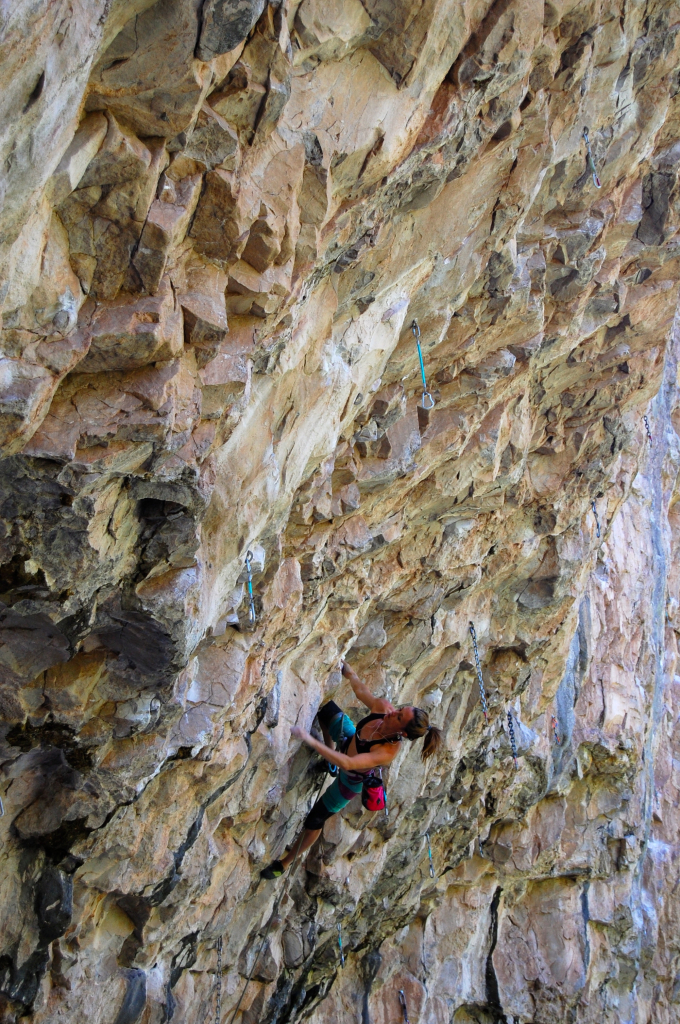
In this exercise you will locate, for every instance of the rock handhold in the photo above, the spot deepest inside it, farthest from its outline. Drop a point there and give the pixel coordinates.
(226, 23)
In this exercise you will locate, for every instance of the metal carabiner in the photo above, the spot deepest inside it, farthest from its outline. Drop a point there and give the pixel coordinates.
(342, 955)
(429, 853)
(427, 399)
(597, 521)
(591, 162)
(252, 617)
(402, 1000)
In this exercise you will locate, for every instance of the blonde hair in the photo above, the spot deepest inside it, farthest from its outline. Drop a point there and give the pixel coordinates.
(420, 726)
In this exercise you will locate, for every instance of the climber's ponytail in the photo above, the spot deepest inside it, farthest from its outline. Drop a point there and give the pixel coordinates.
(420, 726)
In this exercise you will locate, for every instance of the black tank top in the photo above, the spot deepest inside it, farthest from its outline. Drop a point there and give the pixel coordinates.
(363, 746)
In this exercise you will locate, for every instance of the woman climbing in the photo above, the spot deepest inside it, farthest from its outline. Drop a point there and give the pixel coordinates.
(373, 743)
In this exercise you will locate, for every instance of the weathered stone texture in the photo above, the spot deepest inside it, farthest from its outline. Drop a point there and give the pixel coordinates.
(220, 221)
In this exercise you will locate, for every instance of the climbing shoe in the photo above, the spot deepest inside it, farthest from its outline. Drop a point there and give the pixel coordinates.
(273, 870)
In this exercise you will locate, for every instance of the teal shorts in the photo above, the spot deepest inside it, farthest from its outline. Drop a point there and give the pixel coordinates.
(337, 796)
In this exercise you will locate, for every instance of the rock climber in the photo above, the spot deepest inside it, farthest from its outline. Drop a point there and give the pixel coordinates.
(374, 742)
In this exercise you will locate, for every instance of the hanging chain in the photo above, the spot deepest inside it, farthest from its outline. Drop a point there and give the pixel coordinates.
(648, 429)
(428, 400)
(252, 617)
(597, 521)
(591, 162)
(482, 692)
(429, 853)
(342, 955)
(553, 723)
(513, 744)
(402, 1000)
(218, 983)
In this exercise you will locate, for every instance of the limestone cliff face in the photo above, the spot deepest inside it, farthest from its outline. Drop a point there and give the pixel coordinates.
(223, 226)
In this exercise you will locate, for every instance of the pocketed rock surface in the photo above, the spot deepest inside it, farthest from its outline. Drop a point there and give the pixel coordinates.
(220, 221)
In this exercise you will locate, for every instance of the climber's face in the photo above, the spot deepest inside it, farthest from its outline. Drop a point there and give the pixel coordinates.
(397, 721)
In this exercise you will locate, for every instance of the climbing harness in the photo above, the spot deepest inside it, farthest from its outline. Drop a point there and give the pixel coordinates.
(511, 730)
(429, 853)
(553, 722)
(402, 1000)
(252, 617)
(597, 521)
(591, 162)
(482, 692)
(218, 982)
(428, 400)
(648, 429)
(275, 910)
(342, 955)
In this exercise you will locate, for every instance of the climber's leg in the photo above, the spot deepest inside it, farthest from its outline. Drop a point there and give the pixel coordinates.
(333, 800)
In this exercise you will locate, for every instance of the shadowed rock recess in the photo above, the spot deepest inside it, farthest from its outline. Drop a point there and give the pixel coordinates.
(220, 220)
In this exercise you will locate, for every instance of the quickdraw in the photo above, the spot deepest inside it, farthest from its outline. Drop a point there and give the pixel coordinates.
(252, 617)
(218, 983)
(342, 955)
(591, 163)
(482, 692)
(553, 723)
(428, 400)
(597, 521)
(513, 744)
(387, 810)
(648, 429)
(429, 853)
(402, 1000)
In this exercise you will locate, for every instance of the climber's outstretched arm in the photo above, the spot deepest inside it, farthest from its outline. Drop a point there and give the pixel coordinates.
(382, 754)
(376, 704)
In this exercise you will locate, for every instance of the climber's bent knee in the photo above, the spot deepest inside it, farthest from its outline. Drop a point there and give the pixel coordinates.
(333, 800)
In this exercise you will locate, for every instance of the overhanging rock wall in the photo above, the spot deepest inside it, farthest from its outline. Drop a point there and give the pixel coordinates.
(220, 222)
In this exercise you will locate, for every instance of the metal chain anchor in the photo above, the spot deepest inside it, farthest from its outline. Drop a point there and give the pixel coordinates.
(429, 853)
(218, 983)
(513, 744)
(252, 617)
(428, 400)
(591, 163)
(402, 1000)
(648, 429)
(482, 691)
(597, 521)
(342, 955)
(553, 723)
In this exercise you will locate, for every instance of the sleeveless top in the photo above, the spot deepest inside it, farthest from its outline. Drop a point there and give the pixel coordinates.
(363, 747)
